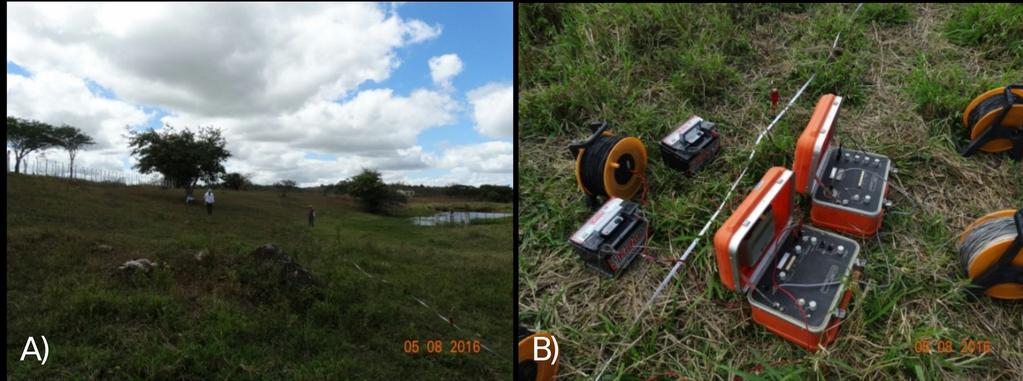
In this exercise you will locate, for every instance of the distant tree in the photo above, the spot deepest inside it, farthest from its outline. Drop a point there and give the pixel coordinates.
(497, 193)
(235, 180)
(342, 187)
(284, 186)
(72, 140)
(184, 157)
(26, 136)
(372, 193)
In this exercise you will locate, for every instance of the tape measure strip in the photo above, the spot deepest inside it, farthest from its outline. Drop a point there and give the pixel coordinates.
(434, 310)
(728, 195)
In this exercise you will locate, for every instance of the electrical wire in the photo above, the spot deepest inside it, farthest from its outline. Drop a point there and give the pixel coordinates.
(983, 236)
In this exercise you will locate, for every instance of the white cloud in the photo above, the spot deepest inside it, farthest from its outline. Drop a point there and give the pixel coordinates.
(443, 68)
(419, 31)
(463, 176)
(373, 123)
(492, 106)
(59, 98)
(493, 157)
(280, 80)
(215, 59)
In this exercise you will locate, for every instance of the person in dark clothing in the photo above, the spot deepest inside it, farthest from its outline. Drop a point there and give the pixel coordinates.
(312, 215)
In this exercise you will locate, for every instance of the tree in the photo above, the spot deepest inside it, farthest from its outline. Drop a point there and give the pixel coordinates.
(371, 191)
(284, 187)
(342, 187)
(26, 136)
(72, 140)
(236, 180)
(183, 157)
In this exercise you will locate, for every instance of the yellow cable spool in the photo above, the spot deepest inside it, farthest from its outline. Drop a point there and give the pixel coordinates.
(529, 368)
(609, 166)
(991, 254)
(995, 121)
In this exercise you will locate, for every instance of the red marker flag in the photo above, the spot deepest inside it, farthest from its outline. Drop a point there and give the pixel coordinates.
(774, 100)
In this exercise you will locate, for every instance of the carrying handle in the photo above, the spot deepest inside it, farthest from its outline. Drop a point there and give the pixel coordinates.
(598, 127)
(996, 131)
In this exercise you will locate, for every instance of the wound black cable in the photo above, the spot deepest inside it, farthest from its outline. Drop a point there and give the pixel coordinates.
(983, 236)
(593, 162)
(987, 106)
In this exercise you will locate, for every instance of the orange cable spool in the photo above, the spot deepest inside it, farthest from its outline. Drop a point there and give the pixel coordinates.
(994, 121)
(607, 165)
(991, 254)
(528, 367)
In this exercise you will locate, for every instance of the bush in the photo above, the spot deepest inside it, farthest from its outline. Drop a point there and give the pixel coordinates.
(284, 186)
(372, 193)
(235, 181)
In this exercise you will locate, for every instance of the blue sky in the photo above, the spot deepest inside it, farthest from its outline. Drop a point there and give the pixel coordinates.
(480, 34)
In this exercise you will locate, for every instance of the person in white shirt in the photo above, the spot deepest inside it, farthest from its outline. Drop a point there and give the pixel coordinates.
(209, 201)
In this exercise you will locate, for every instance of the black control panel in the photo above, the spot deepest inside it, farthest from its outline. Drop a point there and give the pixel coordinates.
(805, 274)
(853, 179)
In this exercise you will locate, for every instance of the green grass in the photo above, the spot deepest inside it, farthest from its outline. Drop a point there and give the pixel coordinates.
(225, 317)
(648, 68)
(997, 29)
(886, 14)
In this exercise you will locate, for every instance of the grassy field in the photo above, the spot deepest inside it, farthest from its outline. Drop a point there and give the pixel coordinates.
(219, 317)
(907, 71)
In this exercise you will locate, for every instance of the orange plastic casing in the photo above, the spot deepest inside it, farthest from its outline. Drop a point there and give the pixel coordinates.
(810, 152)
(811, 341)
(782, 209)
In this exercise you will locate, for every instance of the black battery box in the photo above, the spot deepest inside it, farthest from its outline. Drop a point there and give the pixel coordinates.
(691, 146)
(610, 240)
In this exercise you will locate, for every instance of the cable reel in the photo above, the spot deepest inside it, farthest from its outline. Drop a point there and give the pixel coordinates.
(991, 254)
(528, 367)
(995, 122)
(607, 165)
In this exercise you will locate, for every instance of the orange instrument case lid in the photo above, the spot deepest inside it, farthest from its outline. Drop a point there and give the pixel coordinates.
(813, 143)
(768, 208)
(847, 187)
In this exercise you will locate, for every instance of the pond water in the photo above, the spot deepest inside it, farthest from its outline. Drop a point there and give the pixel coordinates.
(456, 218)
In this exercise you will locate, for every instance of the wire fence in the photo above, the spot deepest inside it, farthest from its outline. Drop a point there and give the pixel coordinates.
(42, 166)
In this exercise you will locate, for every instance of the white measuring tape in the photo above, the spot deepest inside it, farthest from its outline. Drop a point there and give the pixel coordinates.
(421, 302)
(728, 195)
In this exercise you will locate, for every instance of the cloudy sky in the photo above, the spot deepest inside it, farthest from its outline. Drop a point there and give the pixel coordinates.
(308, 92)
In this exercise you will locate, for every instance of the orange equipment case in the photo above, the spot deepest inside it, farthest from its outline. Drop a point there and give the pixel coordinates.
(847, 187)
(793, 275)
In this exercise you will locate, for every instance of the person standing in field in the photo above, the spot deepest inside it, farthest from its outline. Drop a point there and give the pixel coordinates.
(312, 216)
(209, 201)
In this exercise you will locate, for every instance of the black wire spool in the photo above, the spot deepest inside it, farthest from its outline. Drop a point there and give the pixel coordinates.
(991, 254)
(608, 165)
(995, 122)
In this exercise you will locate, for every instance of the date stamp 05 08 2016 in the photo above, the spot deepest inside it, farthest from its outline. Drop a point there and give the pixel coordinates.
(437, 346)
(966, 346)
